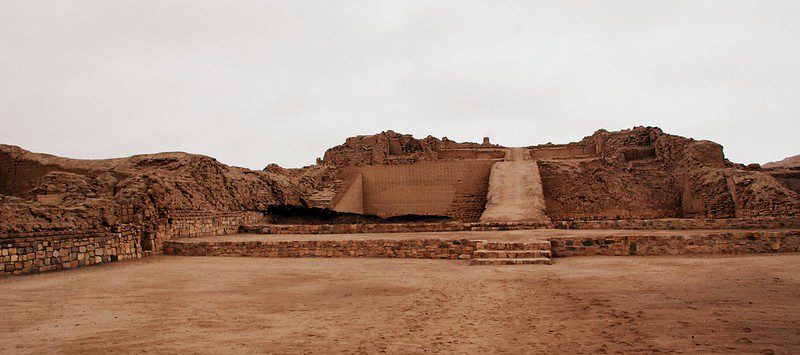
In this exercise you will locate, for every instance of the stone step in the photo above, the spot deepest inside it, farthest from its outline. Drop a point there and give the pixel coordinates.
(522, 261)
(511, 254)
(543, 245)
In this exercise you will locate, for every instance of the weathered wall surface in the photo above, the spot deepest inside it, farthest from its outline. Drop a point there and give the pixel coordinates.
(352, 199)
(473, 153)
(43, 192)
(31, 252)
(707, 243)
(594, 189)
(39, 252)
(563, 151)
(390, 248)
(456, 189)
(644, 173)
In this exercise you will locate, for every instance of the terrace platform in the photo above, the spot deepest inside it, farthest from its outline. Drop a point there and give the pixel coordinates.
(510, 246)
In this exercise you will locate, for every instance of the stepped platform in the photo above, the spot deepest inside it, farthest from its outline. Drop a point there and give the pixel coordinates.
(494, 247)
(454, 226)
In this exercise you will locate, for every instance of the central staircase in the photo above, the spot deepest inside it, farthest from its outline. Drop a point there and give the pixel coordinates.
(511, 253)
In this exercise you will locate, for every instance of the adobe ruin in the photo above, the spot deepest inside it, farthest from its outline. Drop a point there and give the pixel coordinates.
(58, 213)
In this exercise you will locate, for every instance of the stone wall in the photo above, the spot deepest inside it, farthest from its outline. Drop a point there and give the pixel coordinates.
(354, 228)
(194, 224)
(30, 252)
(471, 153)
(46, 251)
(684, 223)
(706, 243)
(391, 248)
(454, 226)
(565, 151)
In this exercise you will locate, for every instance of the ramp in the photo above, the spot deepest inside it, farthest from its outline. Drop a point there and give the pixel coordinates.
(515, 192)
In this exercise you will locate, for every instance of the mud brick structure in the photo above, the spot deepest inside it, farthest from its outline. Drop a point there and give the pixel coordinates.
(380, 248)
(677, 244)
(640, 173)
(58, 213)
(516, 249)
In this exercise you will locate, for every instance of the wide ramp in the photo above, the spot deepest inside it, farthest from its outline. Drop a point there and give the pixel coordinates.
(515, 192)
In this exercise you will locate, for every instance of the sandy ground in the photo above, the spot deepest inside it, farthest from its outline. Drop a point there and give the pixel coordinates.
(206, 304)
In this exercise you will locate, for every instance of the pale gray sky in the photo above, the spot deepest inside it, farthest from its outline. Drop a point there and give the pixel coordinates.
(254, 82)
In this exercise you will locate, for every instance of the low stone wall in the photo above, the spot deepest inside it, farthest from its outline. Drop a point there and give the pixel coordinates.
(669, 224)
(683, 223)
(44, 251)
(353, 228)
(715, 242)
(22, 253)
(196, 224)
(706, 243)
(376, 248)
(187, 225)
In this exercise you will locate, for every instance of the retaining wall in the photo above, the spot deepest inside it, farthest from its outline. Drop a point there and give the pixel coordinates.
(669, 224)
(684, 223)
(31, 252)
(46, 251)
(375, 248)
(707, 243)
(455, 189)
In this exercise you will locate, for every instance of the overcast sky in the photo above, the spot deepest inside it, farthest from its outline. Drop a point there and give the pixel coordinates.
(255, 82)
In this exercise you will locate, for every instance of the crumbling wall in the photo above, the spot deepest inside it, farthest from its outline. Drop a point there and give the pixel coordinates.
(43, 192)
(598, 189)
(562, 151)
(645, 173)
(47, 251)
(471, 153)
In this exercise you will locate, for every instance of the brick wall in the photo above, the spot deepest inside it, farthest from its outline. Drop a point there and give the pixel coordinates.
(456, 189)
(452, 226)
(684, 223)
(706, 243)
(22, 253)
(195, 224)
(393, 248)
(46, 251)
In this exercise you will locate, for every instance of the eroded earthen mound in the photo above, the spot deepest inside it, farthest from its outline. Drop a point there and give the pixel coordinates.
(41, 191)
(637, 173)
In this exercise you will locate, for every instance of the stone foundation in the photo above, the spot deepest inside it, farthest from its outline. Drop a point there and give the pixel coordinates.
(684, 223)
(39, 252)
(668, 224)
(31, 252)
(719, 242)
(713, 242)
(376, 248)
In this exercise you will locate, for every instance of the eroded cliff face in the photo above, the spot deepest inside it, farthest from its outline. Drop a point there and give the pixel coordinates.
(646, 173)
(637, 173)
(46, 192)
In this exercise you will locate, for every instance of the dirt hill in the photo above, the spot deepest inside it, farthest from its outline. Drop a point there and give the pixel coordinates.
(790, 162)
(41, 191)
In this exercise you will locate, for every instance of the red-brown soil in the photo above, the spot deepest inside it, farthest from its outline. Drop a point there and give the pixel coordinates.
(590, 305)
